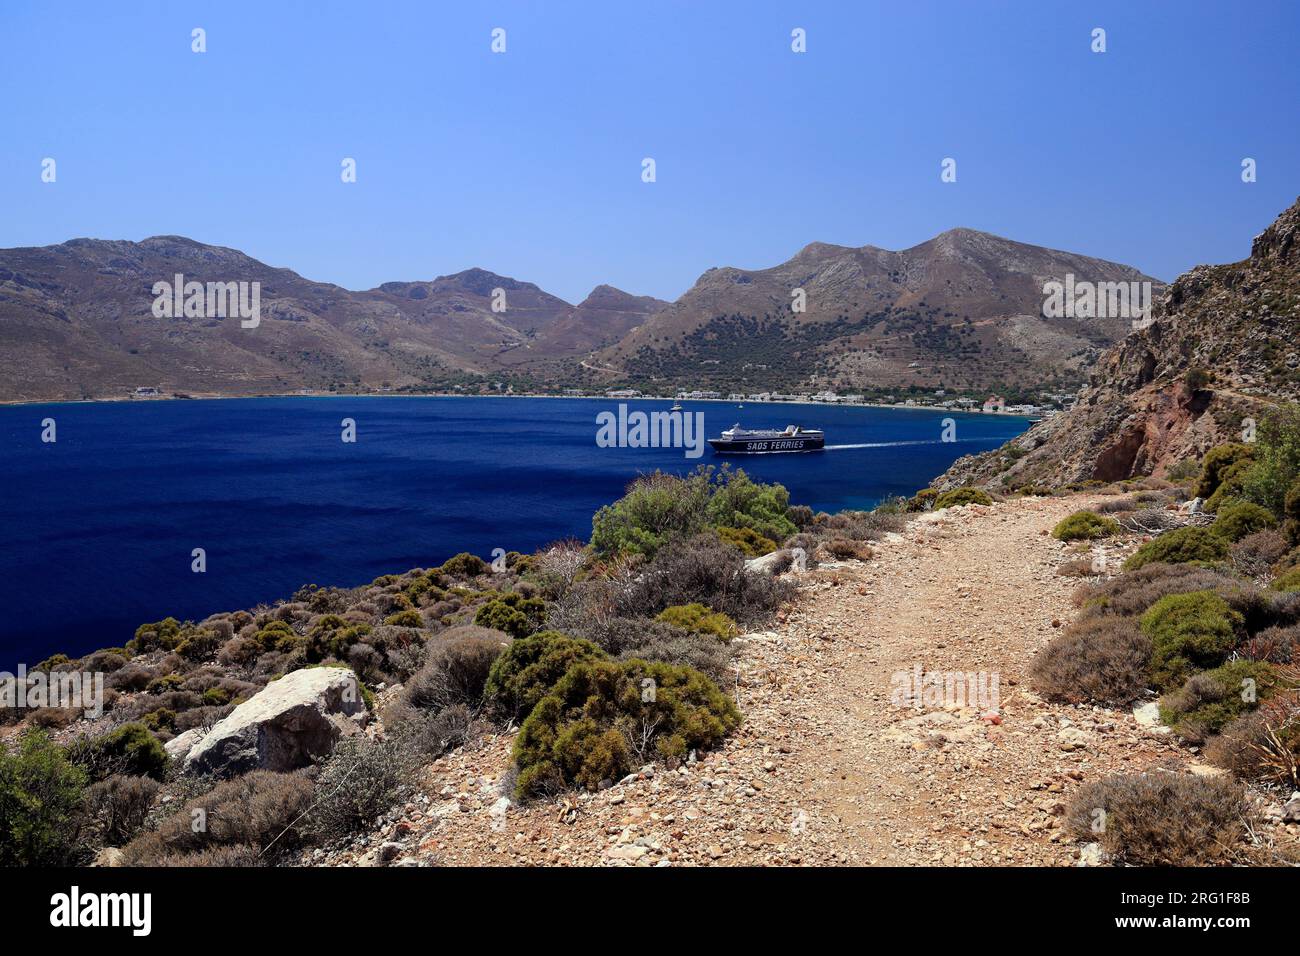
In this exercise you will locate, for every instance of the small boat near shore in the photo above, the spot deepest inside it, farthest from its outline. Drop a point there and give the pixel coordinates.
(767, 441)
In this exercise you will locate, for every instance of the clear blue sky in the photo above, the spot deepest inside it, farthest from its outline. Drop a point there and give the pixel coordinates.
(529, 163)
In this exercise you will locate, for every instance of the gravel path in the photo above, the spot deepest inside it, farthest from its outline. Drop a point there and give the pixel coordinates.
(827, 768)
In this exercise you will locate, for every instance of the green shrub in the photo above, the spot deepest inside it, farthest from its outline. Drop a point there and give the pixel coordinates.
(1237, 519)
(962, 496)
(40, 801)
(1289, 581)
(464, 565)
(747, 541)
(1084, 526)
(1277, 459)
(270, 636)
(1188, 632)
(130, 750)
(604, 719)
(1217, 460)
(161, 685)
(698, 619)
(1180, 546)
(658, 508)
(923, 500)
(512, 614)
(528, 669)
(407, 618)
(739, 502)
(160, 635)
(1197, 379)
(1161, 819)
(1208, 701)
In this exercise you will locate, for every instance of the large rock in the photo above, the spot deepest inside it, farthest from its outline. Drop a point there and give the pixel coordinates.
(179, 747)
(288, 724)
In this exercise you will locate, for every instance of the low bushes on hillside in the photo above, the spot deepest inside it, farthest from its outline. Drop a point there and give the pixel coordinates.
(1098, 659)
(248, 813)
(698, 619)
(528, 669)
(512, 613)
(1216, 462)
(1085, 526)
(464, 565)
(1237, 519)
(1180, 546)
(1188, 632)
(1288, 581)
(456, 667)
(747, 541)
(962, 496)
(130, 750)
(361, 780)
(659, 508)
(117, 807)
(1161, 819)
(604, 719)
(1131, 593)
(1264, 744)
(702, 571)
(40, 804)
(1210, 700)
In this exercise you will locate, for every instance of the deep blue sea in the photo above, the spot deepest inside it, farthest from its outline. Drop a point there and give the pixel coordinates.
(97, 528)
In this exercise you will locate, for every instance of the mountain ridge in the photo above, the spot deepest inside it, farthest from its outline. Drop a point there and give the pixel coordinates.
(76, 322)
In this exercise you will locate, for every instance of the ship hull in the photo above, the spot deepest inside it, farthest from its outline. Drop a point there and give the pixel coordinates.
(765, 446)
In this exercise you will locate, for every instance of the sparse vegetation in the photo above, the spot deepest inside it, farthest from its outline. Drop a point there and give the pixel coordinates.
(962, 496)
(1162, 819)
(603, 719)
(1098, 659)
(1085, 526)
(1180, 546)
(40, 803)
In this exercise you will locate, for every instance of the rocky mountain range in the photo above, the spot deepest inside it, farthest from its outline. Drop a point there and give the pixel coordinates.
(1223, 346)
(76, 321)
(964, 310)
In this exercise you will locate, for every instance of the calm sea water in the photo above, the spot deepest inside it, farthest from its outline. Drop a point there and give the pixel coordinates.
(97, 529)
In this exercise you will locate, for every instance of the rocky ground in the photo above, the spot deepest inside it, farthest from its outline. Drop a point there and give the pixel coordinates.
(826, 768)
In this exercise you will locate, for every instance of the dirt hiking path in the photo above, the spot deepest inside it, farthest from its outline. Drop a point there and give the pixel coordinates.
(826, 769)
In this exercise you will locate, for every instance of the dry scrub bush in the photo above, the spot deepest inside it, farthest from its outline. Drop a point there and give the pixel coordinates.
(360, 781)
(1161, 819)
(1133, 592)
(1263, 745)
(251, 810)
(1256, 554)
(843, 549)
(456, 667)
(117, 807)
(703, 571)
(1102, 659)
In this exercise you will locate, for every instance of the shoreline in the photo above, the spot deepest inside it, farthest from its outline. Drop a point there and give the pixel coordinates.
(128, 400)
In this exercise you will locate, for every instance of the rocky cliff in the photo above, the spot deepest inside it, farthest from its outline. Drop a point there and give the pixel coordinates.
(1223, 346)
